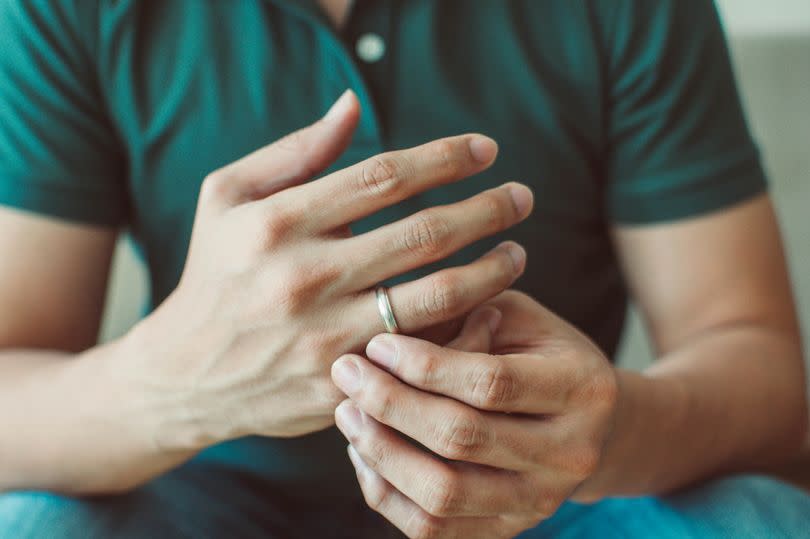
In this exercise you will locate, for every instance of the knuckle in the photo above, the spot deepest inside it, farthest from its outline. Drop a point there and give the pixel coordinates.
(600, 388)
(297, 282)
(215, 185)
(463, 437)
(448, 155)
(277, 224)
(426, 234)
(382, 175)
(442, 298)
(495, 386)
(380, 400)
(302, 284)
(444, 496)
(583, 461)
(426, 369)
(545, 504)
(324, 273)
(375, 452)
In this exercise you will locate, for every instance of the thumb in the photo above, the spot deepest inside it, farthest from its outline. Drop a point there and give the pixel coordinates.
(478, 331)
(294, 159)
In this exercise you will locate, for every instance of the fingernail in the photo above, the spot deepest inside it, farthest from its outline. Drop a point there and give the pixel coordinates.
(483, 149)
(346, 374)
(381, 350)
(494, 320)
(339, 107)
(522, 198)
(516, 253)
(351, 420)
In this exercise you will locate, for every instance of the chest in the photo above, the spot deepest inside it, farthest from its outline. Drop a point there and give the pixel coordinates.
(238, 76)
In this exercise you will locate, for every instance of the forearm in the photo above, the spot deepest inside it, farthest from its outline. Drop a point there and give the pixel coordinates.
(71, 425)
(732, 400)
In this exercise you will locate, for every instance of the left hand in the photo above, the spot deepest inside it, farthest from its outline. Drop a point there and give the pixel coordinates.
(512, 433)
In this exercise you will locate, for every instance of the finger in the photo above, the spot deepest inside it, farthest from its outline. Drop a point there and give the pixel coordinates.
(294, 159)
(563, 448)
(448, 293)
(478, 330)
(381, 181)
(447, 427)
(433, 234)
(511, 383)
(407, 516)
(443, 489)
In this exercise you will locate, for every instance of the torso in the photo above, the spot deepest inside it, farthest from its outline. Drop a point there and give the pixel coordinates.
(242, 74)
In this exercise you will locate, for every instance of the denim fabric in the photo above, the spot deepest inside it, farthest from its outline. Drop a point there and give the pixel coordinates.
(742, 507)
(202, 501)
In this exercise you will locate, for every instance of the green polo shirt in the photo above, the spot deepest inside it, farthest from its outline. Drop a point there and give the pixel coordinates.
(613, 111)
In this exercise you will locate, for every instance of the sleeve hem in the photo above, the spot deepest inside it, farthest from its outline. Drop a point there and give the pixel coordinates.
(744, 182)
(82, 206)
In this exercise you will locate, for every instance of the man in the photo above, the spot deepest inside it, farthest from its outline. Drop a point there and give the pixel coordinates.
(213, 417)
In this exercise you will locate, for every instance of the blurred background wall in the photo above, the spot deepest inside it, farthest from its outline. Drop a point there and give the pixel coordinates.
(770, 42)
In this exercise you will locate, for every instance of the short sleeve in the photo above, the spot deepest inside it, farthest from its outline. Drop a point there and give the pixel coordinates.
(677, 141)
(59, 154)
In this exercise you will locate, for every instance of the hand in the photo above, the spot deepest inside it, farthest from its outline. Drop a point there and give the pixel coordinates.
(275, 287)
(511, 434)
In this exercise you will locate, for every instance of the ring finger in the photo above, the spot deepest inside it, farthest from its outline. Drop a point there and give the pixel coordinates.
(448, 293)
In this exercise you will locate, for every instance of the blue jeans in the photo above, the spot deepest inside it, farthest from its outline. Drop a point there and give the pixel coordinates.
(203, 501)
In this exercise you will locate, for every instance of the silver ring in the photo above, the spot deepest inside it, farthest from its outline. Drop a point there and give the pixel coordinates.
(384, 306)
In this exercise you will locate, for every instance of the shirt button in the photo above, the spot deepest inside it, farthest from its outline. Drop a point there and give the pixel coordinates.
(370, 48)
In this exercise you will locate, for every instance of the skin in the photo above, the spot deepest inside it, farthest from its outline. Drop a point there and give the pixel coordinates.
(543, 417)
(721, 318)
(274, 289)
(717, 303)
(337, 10)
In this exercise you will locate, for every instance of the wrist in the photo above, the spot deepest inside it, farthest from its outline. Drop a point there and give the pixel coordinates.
(647, 409)
(108, 425)
(148, 397)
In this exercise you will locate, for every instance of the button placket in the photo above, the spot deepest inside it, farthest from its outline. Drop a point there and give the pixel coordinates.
(369, 33)
(370, 47)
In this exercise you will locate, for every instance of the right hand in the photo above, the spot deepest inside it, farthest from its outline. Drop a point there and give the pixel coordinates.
(275, 287)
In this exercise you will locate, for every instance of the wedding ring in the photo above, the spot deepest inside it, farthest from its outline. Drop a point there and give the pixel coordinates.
(384, 306)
